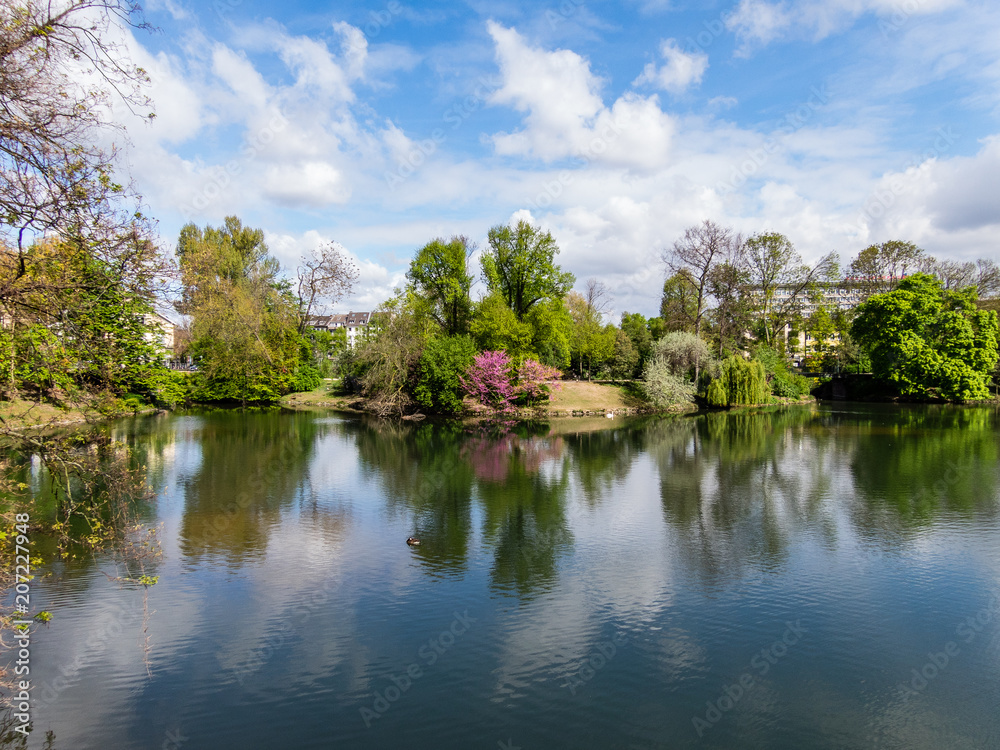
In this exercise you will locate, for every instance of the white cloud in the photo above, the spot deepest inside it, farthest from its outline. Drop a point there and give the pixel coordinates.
(757, 23)
(565, 115)
(680, 71)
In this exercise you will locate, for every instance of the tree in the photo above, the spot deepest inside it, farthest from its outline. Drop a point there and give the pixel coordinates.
(928, 341)
(59, 75)
(730, 286)
(683, 353)
(244, 319)
(984, 275)
(636, 327)
(592, 343)
(325, 273)
(880, 268)
(678, 304)
(494, 326)
(440, 274)
(443, 361)
(598, 296)
(519, 267)
(781, 283)
(702, 248)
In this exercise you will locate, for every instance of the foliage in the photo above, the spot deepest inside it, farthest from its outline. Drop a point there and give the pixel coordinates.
(385, 366)
(519, 266)
(678, 305)
(694, 259)
(442, 364)
(551, 333)
(663, 388)
(774, 265)
(439, 273)
(535, 382)
(592, 343)
(637, 328)
(928, 341)
(244, 319)
(488, 379)
(716, 395)
(744, 382)
(683, 353)
(625, 358)
(494, 327)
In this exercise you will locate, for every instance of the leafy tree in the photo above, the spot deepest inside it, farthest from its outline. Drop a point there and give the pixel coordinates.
(880, 268)
(384, 366)
(744, 382)
(929, 341)
(440, 274)
(678, 305)
(636, 327)
(551, 331)
(519, 267)
(821, 328)
(663, 388)
(535, 382)
(683, 353)
(780, 281)
(442, 363)
(625, 357)
(592, 344)
(244, 319)
(732, 316)
(696, 255)
(494, 326)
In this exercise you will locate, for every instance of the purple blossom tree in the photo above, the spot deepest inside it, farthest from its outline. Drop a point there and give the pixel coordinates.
(488, 379)
(535, 380)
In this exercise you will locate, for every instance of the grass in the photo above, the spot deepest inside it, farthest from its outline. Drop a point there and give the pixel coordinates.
(578, 395)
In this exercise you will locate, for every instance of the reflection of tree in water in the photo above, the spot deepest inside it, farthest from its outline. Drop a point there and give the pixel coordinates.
(737, 484)
(603, 457)
(421, 470)
(252, 467)
(909, 466)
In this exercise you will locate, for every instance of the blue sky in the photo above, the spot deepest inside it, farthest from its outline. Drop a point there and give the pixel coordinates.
(381, 125)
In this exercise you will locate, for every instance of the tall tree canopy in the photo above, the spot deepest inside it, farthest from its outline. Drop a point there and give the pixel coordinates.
(696, 255)
(880, 268)
(929, 341)
(244, 319)
(782, 283)
(519, 266)
(439, 274)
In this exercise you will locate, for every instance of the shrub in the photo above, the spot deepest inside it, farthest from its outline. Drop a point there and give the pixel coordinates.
(662, 387)
(533, 382)
(716, 395)
(306, 378)
(682, 352)
(439, 386)
(488, 379)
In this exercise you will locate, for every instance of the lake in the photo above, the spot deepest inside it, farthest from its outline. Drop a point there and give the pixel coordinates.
(825, 576)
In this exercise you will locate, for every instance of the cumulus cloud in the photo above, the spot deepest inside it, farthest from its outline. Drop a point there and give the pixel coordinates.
(565, 115)
(680, 71)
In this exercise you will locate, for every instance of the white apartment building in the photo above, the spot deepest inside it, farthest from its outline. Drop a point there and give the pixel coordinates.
(353, 323)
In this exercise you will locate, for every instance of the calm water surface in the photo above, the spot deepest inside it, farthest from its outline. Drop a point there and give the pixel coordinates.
(801, 578)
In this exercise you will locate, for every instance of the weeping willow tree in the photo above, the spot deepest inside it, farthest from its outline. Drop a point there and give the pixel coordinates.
(742, 383)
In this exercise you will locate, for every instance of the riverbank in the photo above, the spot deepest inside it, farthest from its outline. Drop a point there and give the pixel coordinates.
(21, 415)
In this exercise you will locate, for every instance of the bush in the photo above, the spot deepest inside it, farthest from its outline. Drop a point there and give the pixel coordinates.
(307, 378)
(744, 382)
(442, 363)
(682, 352)
(533, 379)
(488, 379)
(662, 387)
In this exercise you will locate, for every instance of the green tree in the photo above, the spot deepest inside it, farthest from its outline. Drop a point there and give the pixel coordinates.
(244, 317)
(443, 360)
(636, 327)
(495, 327)
(519, 266)
(929, 341)
(678, 305)
(781, 282)
(440, 274)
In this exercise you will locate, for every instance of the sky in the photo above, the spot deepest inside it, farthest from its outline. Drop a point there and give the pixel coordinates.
(382, 125)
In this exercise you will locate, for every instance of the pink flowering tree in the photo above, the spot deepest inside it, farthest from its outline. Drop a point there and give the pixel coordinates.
(536, 381)
(488, 379)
